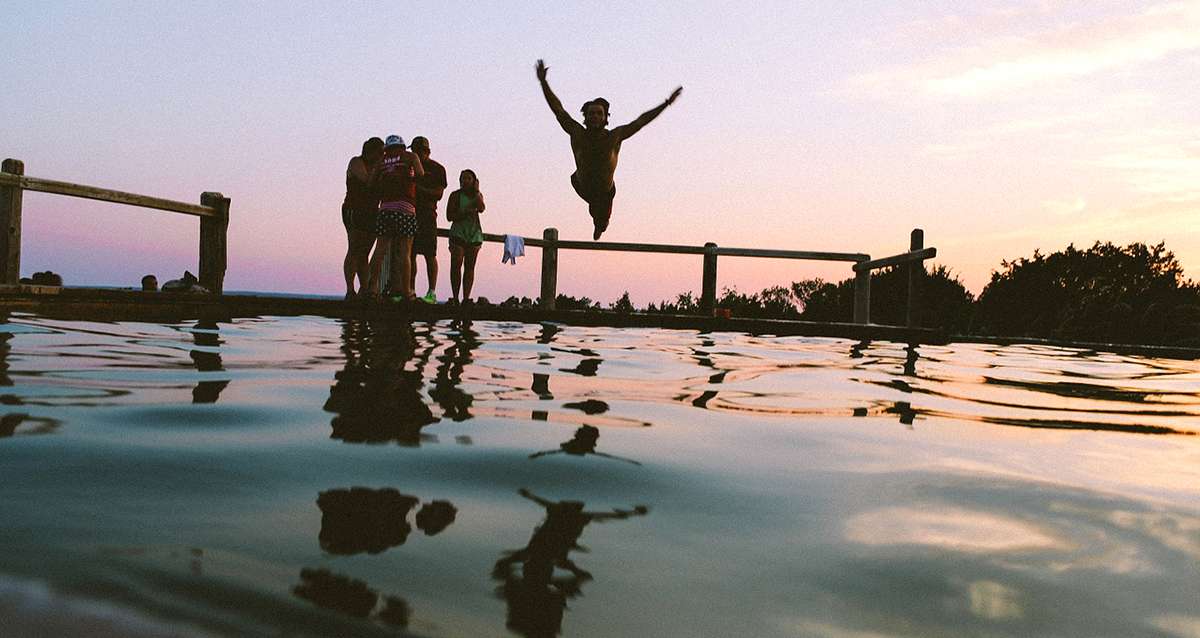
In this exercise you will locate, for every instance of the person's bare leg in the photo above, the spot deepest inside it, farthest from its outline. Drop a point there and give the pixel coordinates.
(405, 258)
(349, 264)
(383, 246)
(358, 260)
(431, 272)
(601, 213)
(471, 253)
(456, 266)
(412, 271)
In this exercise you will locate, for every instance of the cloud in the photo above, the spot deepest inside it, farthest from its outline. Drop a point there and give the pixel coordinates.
(1063, 207)
(1006, 63)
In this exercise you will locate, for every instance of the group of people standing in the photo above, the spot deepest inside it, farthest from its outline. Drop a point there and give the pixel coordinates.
(390, 215)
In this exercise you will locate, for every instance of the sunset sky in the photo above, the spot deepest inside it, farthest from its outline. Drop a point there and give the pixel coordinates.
(997, 127)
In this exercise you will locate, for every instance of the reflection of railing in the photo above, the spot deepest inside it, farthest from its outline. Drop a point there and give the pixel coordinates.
(863, 265)
(213, 212)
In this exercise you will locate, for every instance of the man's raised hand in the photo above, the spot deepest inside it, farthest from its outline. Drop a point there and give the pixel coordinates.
(541, 70)
(670, 100)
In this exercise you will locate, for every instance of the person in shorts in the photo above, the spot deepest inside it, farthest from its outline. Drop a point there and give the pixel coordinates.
(360, 211)
(395, 184)
(430, 188)
(463, 207)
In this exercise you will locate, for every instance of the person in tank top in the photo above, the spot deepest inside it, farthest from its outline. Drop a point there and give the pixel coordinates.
(394, 182)
(360, 210)
(463, 207)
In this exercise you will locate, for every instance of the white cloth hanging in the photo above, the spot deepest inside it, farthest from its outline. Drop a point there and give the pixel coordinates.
(514, 246)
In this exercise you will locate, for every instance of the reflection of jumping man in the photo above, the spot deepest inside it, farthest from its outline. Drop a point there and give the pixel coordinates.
(536, 599)
(596, 148)
(582, 444)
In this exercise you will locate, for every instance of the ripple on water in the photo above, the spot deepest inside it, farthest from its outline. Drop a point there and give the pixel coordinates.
(309, 476)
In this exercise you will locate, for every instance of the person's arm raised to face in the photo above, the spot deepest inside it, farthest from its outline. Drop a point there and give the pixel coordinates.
(418, 169)
(626, 131)
(569, 125)
(358, 168)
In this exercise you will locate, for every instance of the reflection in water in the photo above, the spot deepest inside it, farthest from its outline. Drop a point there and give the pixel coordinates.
(359, 520)
(362, 520)
(204, 333)
(10, 422)
(586, 368)
(5, 349)
(435, 517)
(541, 386)
(349, 596)
(376, 399)
(583, 443)
(536, 598)
(455, 403)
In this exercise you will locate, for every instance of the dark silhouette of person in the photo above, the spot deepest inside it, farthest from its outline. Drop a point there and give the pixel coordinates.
(436, 516)
(375, 398)
(455, 403)
(536, 598)
(583, 443)
(596, 148)
(349, 596)
(361, 520)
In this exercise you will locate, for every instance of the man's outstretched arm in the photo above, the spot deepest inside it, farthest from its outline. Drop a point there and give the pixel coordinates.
(626, 131)
(569, 125)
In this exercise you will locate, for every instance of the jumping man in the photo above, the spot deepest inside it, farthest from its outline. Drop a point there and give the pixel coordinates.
(596, 148)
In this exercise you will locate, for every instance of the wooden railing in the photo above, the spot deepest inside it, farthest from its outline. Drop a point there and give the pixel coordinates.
(213, 212)
(863, 265)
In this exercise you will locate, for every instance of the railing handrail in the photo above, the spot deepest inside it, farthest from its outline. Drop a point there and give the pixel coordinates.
(675, 249)
(104, 194)
(213, 211)
(896, 260)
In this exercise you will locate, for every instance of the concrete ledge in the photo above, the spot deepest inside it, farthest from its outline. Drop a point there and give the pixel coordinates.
(89, 304)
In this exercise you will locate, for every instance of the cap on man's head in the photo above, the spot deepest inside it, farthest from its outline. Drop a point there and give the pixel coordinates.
(394, 140)
(420, 142)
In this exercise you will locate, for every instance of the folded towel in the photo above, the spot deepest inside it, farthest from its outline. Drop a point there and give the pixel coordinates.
(514, 246)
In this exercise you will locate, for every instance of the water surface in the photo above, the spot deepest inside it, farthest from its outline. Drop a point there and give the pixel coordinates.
(316, 477)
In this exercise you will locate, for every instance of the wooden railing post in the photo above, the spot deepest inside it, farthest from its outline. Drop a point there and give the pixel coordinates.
(10, 225)
(862, 296)
(549, 268)
(708, 286)
(213, 237)
(916, 276)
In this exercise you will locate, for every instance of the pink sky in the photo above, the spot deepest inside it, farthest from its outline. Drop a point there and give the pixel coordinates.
(999, 128)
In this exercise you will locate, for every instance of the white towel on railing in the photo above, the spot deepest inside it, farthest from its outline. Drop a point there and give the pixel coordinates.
(514, 246)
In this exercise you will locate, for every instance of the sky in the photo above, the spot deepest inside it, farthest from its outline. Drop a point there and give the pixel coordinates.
(997, 127)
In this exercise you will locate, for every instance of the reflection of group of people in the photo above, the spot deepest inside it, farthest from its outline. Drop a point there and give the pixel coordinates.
(391, 202)
(376, 398)
(359, 520)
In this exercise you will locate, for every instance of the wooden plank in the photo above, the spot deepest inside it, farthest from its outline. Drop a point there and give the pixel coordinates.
(549, 293)
(896, 260)
(214, 232)
(916, 275)
(102, 194)
(10, 224)
(708, 285)
(791, 254)
(862, 296)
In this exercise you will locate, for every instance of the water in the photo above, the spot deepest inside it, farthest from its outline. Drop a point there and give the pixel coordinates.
(312, 477)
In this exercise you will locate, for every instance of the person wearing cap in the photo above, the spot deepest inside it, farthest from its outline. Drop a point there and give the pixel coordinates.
(596, 148)
(430, 188)
(395, 184)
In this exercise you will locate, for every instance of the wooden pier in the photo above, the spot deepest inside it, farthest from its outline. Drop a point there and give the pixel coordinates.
(213, 211)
